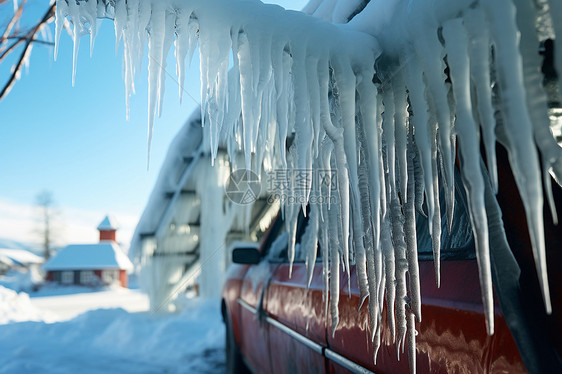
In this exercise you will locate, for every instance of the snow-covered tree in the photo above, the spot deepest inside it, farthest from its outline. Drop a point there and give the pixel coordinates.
(380, 91)
(45, 204)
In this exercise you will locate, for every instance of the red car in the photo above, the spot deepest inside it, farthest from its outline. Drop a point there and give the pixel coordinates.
(275, 325)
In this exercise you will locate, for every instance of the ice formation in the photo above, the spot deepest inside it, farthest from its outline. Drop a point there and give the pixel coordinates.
(361, 88)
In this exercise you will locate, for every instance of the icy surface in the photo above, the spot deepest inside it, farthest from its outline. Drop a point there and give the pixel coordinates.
(380, 99)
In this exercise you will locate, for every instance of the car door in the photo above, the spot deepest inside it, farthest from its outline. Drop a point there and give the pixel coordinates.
(296, 315)
(254, 331)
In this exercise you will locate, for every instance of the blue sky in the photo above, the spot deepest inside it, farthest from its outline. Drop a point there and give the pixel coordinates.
(75, 141)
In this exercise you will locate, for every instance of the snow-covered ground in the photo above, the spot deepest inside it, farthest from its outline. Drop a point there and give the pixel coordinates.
(55, 331)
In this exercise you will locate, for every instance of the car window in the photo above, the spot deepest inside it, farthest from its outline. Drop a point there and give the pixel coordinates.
(277, 251)
(457, 243)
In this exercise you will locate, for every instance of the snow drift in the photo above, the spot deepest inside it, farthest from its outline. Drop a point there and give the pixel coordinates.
(16, 307)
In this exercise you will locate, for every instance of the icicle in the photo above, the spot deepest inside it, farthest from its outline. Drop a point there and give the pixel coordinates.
(399, 89)
(119, 21)
(418, 174)
(522, 152)
(324, 246)
(380, 158)
(401, 266)
(334, 269)
(246, 93)
(129, 32)
(360, 255)
(388, 128)
(170, 21)
(412, 342)
(336, 135)
(536, 97)
(479, 52)
(414, 81)
(292, 212)
(345, 81)
(181, 47)
(457, 52)
(377, 337)
(368, 107)
(325, 156)
(410, 234)
(61, 13)
(74, 13)
(303, 128)
(389, 270)
(314, 94)
(310, 242)
(435, 223)
(155, 57)
(368, 233)
(430, 52)
(90, 12)
(282, 64)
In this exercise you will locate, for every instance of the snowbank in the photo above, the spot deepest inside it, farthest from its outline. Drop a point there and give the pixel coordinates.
(16, 307)
(114, 340)
(25, 280)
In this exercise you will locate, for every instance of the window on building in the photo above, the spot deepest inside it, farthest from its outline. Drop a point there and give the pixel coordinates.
(86, 277)
(67, 277)
(110, 276)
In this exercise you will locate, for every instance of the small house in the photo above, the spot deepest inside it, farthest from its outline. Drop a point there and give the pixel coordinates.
(19, 259)
(102, 263)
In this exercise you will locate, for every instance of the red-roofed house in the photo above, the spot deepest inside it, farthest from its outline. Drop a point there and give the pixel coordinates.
(102, 263)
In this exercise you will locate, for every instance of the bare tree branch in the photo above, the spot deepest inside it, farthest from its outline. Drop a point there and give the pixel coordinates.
(11, 25)
(10, 48)
(27, 48)
(37, 41)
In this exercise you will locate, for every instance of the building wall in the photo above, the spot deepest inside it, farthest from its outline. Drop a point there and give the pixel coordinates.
(98, 273)
(123, 279)
(108, 235)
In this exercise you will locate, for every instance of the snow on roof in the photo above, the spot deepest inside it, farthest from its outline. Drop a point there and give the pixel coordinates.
(108, 223)
(20, 256)
(104, 255)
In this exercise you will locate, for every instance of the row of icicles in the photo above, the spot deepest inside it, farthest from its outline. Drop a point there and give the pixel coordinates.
(268, 75)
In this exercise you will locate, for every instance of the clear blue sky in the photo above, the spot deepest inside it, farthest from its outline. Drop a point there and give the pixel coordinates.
(75, 141)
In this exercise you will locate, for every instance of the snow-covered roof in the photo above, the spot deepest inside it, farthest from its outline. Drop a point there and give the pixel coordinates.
(108, 223)
(104, 255)
(20, 256)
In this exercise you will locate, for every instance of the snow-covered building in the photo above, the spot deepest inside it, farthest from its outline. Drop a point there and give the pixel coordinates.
(17, 258)
(102, 263)
(182, 237)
